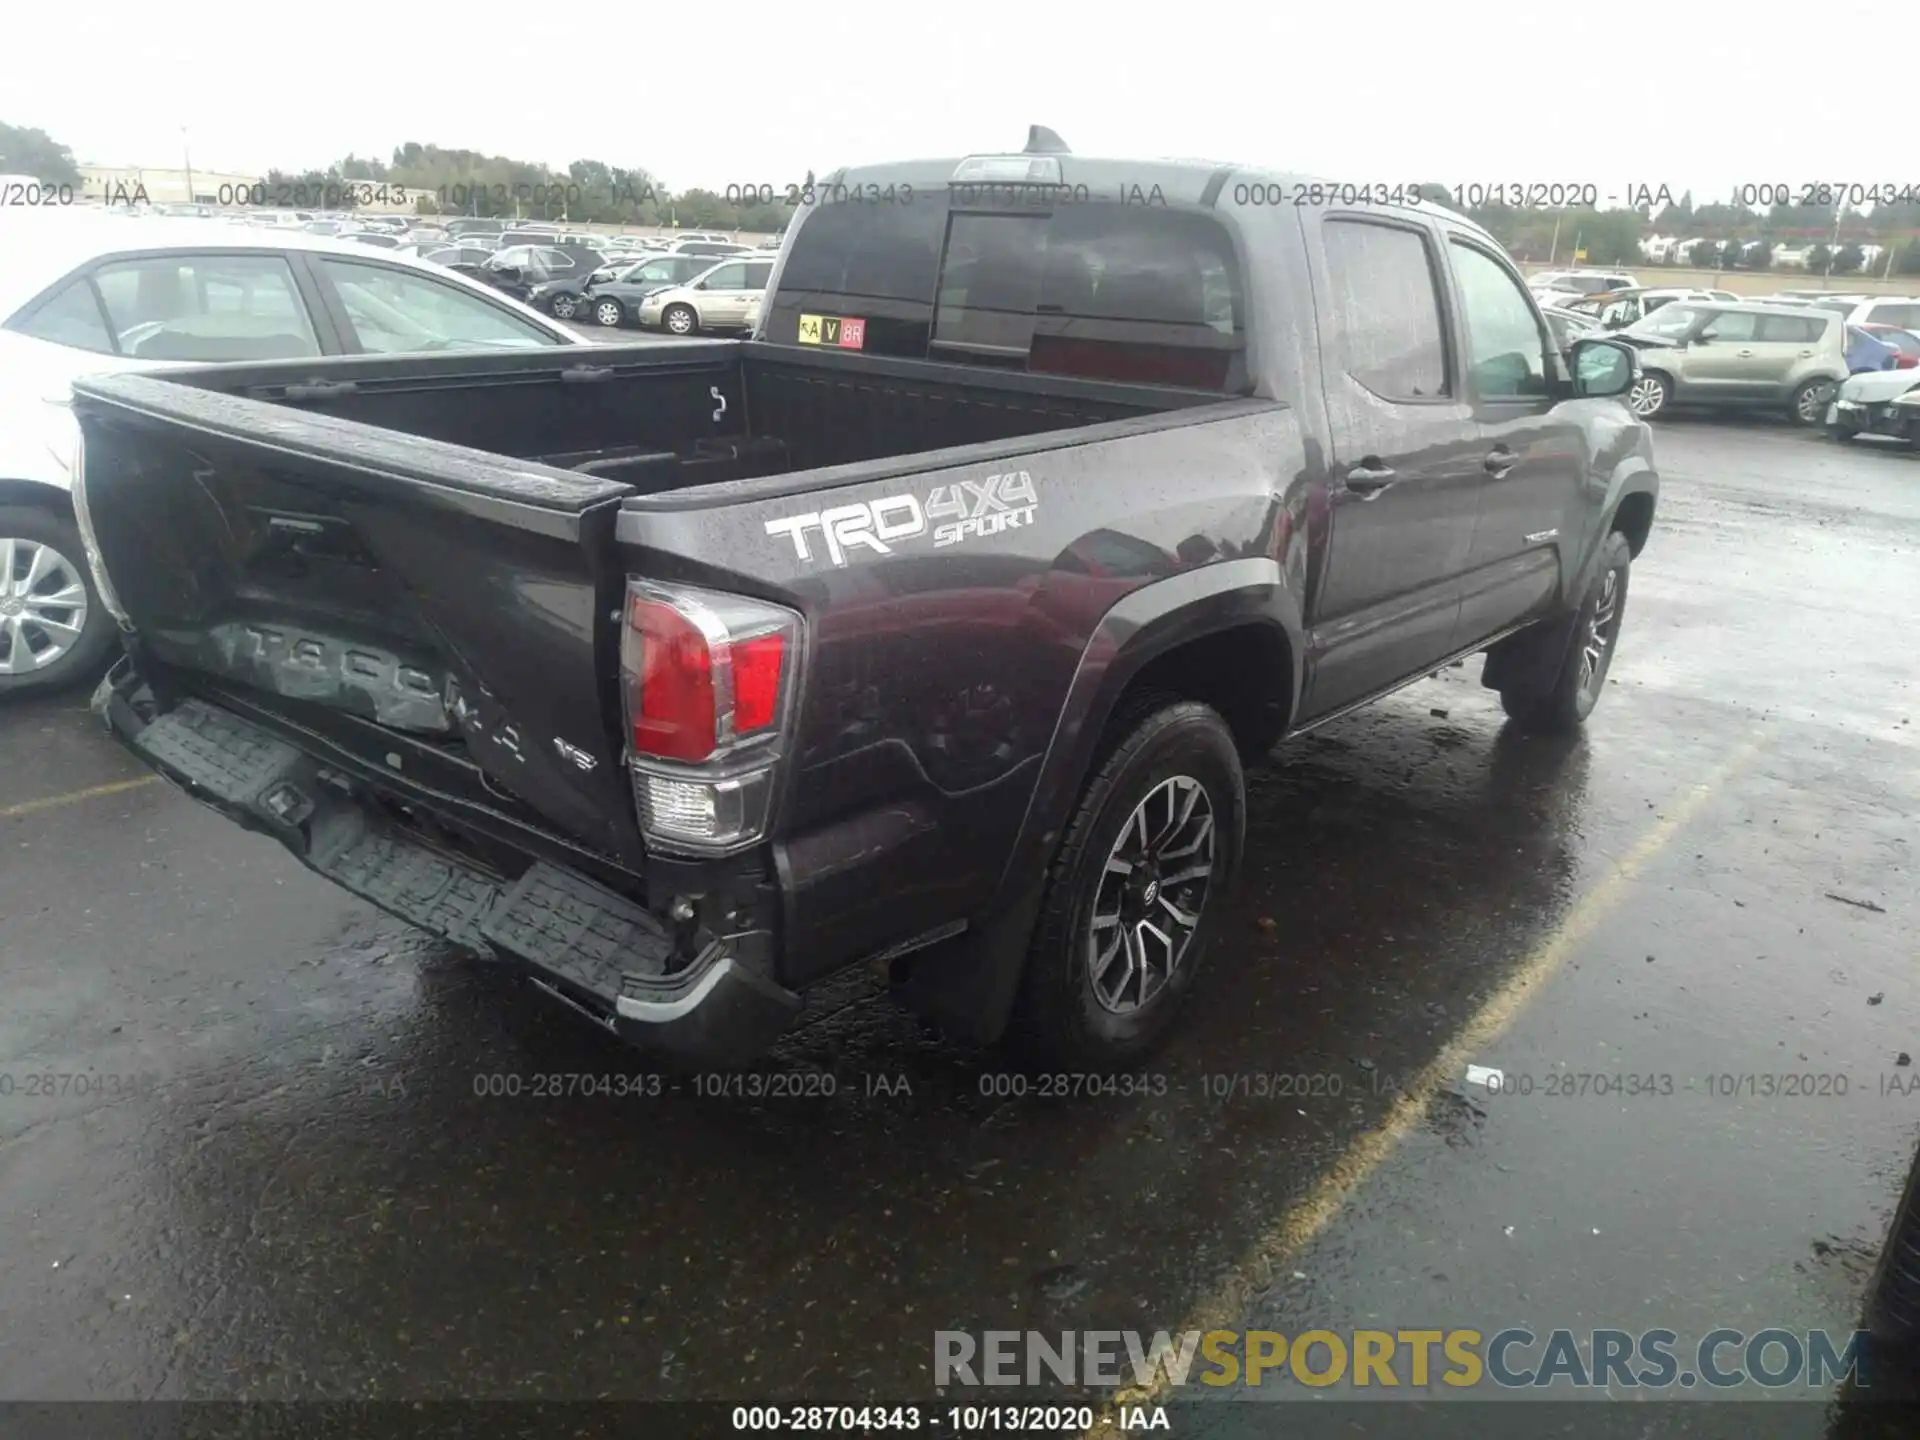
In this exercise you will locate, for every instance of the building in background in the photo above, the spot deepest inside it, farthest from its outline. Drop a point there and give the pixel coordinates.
(163, 184)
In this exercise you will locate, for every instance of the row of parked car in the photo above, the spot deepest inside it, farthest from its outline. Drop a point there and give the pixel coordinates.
(573, 274)
(1848, 361)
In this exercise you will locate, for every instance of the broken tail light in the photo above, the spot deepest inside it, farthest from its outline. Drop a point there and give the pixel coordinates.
(708, 682)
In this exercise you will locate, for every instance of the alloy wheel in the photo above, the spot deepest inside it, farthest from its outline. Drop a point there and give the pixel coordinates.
(1151, 894)
(1813, 403)
(1603, 628)
(43, 605)
(1646, 397)
(564, 306)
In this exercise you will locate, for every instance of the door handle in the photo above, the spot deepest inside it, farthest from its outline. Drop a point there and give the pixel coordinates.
(1368, 478)
(1499, 461)
(1744, 354)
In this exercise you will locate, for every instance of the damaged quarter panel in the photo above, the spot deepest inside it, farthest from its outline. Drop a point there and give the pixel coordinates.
(949, 610)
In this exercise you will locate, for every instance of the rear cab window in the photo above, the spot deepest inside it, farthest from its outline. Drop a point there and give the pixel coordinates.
(1141, 294)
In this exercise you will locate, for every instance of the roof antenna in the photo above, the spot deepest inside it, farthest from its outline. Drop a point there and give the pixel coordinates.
(1042, 141)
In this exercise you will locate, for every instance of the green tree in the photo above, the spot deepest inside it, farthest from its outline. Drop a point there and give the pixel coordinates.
(36, 153)
(1906, 260)
(1760, 257)
(1820, 261)
(1847, 260)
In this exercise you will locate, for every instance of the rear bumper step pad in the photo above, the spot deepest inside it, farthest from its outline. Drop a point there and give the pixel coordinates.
(597, 950)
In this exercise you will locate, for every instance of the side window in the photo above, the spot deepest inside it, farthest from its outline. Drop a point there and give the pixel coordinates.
(1388, 305)
(394, 311)
(758, 273)
(206, 308)
(1509, 358)
(1906, 316)
(1731, 325)
(728, 277)
(1790, 329)
(70, 318)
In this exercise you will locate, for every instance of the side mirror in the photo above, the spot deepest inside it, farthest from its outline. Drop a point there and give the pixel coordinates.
(700, 285)
(1601, 368)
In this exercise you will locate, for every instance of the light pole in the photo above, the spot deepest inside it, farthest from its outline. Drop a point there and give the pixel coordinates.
(186, 154)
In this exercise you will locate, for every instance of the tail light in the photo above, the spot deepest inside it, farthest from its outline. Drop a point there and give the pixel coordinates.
(709, 681)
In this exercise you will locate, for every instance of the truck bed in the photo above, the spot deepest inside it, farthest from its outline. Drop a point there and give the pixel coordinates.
(660, 417)
(292, 545)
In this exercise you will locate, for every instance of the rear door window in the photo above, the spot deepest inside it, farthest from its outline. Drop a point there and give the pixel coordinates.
(1383, 289)
(210, 307)
(1790, 329)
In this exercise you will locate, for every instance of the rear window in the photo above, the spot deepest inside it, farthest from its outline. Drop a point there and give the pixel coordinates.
(1138, 294)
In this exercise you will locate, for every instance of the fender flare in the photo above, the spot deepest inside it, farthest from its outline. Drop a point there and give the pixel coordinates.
(971, 988)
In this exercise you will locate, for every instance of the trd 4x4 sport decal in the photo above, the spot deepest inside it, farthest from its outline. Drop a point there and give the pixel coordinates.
(979, 507)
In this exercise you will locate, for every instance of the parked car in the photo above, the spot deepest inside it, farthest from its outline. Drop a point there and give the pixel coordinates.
(465, 225)
(1617, 309)
(1737, 355)
(715, 300)
(962, 664)
(1905, 343)
(87, 293)
(713, 249)
(1900, 310)
(469, 260)
(1879, 402)
(1561, 285)
(714, 235)
(1866, 351)
(521, 269)
(378, 239)
(616, 299)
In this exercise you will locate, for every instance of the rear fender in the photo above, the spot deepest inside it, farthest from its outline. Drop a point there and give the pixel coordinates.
(969, 984)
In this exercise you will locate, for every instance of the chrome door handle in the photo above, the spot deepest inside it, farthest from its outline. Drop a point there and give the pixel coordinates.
(1743, 353)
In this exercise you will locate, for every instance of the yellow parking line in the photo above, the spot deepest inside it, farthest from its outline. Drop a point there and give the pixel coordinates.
(74, 797)
(1228, 1305)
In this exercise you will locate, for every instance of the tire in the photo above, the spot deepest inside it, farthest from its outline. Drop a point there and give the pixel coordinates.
(680, 320)
(1590, 651)
(1171, 780)
(1809, 405)
(1650, 394)
(609, 312)
(37, 653)
(565, 307)
(1893, 1297)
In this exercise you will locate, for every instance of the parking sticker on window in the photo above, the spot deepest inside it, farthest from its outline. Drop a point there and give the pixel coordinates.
(833, 330)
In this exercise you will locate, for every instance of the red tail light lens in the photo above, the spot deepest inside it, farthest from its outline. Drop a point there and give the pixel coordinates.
(756, 681)
(673, 680)
(706, 673)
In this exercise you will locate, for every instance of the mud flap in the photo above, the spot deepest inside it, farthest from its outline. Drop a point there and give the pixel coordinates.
(1529, 662)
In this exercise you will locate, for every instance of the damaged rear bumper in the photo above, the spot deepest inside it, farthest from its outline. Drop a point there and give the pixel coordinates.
(596, 950)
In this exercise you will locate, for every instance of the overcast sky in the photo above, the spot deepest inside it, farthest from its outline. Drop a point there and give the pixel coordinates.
(761, 92)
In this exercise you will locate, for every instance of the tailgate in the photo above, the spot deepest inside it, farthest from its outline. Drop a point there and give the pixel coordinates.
(431, 609)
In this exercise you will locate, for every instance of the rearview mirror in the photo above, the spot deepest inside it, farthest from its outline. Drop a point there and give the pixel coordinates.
(1601, 368)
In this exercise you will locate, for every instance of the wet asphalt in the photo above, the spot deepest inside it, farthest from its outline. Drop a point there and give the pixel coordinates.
(280, 1170)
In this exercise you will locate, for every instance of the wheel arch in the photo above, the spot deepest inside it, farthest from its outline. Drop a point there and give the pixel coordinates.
(1175, 635)
(38, 494)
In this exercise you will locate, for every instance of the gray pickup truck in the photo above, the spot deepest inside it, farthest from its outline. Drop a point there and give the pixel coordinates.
(933, 625)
